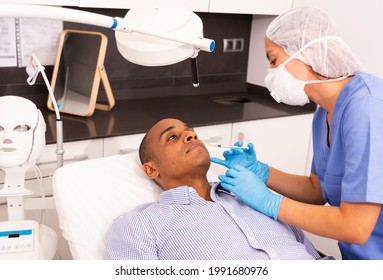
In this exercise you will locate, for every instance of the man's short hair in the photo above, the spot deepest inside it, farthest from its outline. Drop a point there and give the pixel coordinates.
(145, 151)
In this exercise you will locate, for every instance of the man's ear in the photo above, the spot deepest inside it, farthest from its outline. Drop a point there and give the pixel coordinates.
(151, 170)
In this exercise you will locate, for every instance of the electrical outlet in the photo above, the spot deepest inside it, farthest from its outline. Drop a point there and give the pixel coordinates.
(233, 45)
(239, 44)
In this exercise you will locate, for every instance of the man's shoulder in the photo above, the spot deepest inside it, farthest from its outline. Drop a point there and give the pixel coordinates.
(136, 212)
(142, 209)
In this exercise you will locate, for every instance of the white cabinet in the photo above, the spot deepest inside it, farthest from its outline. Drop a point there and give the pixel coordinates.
(44, 2)
(122, 144)
(195, 5)
(282, 142)
(47, 162)
(220, 133)
(261, 7)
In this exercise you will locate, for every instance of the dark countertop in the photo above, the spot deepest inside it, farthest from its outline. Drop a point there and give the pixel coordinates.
(133, 116)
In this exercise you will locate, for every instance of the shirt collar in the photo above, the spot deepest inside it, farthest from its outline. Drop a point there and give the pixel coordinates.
(184, 195)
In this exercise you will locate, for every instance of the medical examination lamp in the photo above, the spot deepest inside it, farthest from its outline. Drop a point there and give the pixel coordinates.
(154, 34)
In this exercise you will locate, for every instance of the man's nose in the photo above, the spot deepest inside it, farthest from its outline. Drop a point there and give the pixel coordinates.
(189, 136)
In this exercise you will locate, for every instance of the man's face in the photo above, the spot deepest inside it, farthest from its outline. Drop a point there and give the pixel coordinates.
(177, 151)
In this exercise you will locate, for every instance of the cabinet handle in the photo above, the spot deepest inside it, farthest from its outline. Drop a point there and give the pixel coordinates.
(241, 137)
(214, 139)
(74, 158)
(124, 151)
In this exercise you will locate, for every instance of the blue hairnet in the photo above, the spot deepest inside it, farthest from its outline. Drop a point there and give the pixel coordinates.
(330, 58)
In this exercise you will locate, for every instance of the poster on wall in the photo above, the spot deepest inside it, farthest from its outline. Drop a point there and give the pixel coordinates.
(8, 54)
(20, 37)
(38, 36)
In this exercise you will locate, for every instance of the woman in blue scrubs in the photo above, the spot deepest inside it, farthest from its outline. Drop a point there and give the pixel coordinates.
(310, 62)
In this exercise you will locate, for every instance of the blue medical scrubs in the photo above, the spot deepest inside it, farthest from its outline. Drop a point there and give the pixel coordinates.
(351, 168)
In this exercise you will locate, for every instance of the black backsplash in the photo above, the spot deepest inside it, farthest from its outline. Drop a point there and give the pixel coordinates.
(226, 71)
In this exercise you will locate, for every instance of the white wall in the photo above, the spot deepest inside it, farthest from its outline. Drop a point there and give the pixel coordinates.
(360, 24)
(258, 64)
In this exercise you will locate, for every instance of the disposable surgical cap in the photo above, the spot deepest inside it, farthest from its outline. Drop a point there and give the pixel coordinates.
(330, 58)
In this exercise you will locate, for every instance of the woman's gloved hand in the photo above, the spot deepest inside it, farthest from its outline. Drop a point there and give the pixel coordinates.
(246, 158)
(250, 189)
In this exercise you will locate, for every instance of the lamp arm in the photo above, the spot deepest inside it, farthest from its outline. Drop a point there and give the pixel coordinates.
(52, 12)
(116, 23)
(203, 44)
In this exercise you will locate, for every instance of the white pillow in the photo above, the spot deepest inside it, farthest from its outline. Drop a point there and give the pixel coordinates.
(90, 194)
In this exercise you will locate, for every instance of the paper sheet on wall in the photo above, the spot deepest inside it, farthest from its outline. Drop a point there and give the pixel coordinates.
(8, 54)
(38, 36)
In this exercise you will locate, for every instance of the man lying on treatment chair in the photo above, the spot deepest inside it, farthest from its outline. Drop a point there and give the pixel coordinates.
(196, 219)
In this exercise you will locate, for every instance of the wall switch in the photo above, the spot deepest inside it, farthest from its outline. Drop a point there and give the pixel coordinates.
(233, 45)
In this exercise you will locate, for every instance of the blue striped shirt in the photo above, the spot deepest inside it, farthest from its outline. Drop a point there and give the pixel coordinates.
(182, 226)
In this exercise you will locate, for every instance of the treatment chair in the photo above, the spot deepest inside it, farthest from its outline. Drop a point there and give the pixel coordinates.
(90, 194)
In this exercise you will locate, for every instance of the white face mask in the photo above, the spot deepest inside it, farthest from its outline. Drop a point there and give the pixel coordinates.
(284, 87)
(22, 131)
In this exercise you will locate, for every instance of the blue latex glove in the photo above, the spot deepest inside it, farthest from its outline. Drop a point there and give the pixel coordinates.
(250, 189)
(246, 158)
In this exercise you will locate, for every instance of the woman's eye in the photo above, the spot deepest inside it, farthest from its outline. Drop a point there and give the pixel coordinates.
(272, 62)
(22, 128)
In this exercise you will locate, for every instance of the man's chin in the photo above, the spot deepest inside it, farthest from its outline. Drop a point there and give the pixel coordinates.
(203, 166)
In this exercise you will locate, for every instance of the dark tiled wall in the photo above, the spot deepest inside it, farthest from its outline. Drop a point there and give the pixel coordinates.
(225, 71)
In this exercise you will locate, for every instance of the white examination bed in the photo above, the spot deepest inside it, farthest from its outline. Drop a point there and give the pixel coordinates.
(90, 194)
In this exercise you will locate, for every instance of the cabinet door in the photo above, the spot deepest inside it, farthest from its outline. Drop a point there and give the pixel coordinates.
(282, 143)
(196, 5)
(261, 7)
(47, 162)
(73, 151)
(122, 144)
(40, 181)
(46, 2)
(220, 133)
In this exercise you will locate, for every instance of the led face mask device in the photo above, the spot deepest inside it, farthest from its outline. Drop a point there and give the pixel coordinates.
(22, 131)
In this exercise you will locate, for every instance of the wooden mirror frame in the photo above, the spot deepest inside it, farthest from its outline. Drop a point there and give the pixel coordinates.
(95, 68)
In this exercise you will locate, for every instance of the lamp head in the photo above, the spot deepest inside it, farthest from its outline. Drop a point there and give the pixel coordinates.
(159, 17)
(22, 131)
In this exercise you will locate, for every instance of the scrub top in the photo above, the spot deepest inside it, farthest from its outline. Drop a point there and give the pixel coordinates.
(351, 168)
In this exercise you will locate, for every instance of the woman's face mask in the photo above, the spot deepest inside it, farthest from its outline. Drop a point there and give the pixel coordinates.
(284, 87)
